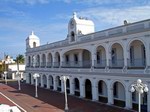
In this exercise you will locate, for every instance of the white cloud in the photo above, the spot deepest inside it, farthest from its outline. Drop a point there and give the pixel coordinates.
(105, 2)
(115, 16)
(30, 2)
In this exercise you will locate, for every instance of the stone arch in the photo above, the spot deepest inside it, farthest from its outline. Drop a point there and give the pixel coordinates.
(29, 61)
(49, 60)
(88, 89)
(57, 60)
(44, 78)
(51, 81)
(102, 91)
(58, 83)
(77, 86)
(100, 56)
(72, 36)
(39, 81)
(117, 56)
(33, 60)
(77, 48)
(43, 64)
(86, 57)
(137, 53)
(30, 76)
(68, 86)
(119, 93)
(139, 39)
(34, 44)
(38, 60)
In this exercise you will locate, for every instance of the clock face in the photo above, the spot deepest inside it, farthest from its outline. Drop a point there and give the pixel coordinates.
(72, 24)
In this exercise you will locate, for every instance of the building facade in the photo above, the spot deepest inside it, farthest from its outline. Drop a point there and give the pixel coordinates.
(11, 67)
(101, 65)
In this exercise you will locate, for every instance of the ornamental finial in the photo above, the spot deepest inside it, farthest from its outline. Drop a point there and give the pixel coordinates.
(74, 14)
(32, 33)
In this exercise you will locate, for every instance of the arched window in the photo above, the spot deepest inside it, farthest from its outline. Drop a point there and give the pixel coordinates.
(72, 36)
(34, 44)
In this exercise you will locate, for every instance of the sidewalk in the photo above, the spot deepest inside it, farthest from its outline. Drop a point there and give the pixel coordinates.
(50, 101)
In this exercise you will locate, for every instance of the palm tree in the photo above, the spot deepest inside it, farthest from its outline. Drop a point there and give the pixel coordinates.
(20, 60)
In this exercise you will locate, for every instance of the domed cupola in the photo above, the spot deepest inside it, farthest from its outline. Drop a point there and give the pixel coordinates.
(79, 26)
(32, 41)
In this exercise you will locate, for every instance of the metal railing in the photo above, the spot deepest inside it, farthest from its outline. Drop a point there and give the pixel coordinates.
(49, 64)
(43, 64)
(139, 62)
(116, 63)
(100, 63)
(77, 64)
(56, 64)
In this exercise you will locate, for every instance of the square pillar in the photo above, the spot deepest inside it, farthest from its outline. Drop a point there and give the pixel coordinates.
(27, 78)
(48, 85)
(107, 54)
(72, 88)
(128, 100)
(55, 84)
(94, 91)
(110, 93)
(148, 99)
(125, 52)
(82, 90)
(42, 85)
(32, 80)
(62, 86)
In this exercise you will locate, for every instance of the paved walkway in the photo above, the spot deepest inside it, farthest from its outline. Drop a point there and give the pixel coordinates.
(50, 101)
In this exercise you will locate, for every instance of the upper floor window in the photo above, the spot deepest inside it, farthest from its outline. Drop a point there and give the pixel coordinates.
(72, 36)
(34, 44)
(76, 58)
(67, 58)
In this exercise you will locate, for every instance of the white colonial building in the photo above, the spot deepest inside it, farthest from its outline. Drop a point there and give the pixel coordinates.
(102, 65)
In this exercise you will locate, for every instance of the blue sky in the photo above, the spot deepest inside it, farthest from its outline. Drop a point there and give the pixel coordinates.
(49, 18)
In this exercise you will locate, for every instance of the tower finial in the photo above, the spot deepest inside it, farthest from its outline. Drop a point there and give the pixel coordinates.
(74, 14)
(32, 33)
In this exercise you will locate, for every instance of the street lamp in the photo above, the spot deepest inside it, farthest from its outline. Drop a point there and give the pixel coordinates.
(64, 78)
(36, 75)
(18, 78)
(140, 88)
(5, 75)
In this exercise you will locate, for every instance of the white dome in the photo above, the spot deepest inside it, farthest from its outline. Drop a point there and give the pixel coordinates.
(33, 36)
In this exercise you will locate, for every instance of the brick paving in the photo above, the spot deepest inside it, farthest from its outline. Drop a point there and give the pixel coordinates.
(51, 101)
(3, 100)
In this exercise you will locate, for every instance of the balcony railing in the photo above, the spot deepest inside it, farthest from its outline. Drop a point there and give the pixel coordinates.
(28, 65)
(56, 64)
(100, 63)
(49, 64)
(37, 65)
(43, 64)
(136, 62)
(72, 64)
(87, 63)
(118, 63)
(77, 64)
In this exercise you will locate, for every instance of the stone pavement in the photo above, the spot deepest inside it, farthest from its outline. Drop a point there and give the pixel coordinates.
(51, 101)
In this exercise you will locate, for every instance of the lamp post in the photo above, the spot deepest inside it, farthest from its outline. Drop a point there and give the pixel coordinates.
(5, 75)
(36, 75)
(18, 78)
(64, 78)
(140, 88)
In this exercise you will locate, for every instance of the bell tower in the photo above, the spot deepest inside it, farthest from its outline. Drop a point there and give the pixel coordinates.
(78, 27)
(32, 41)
